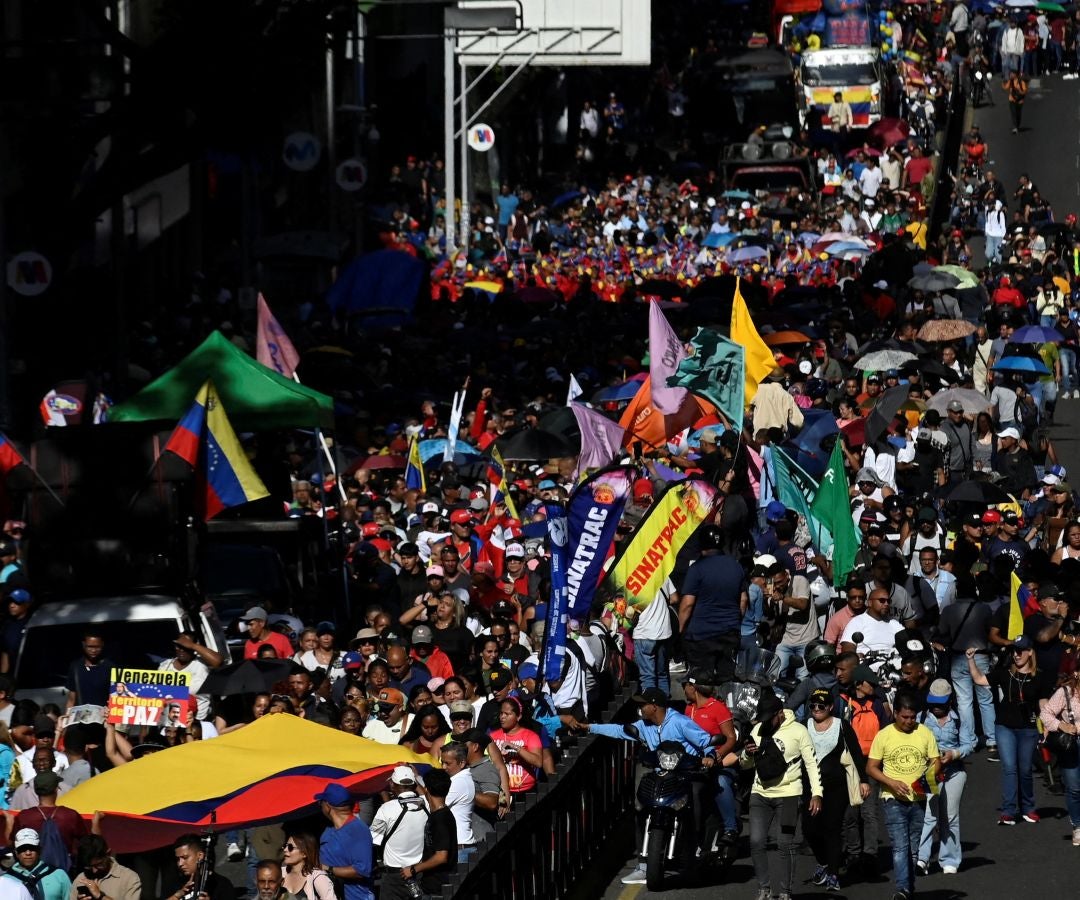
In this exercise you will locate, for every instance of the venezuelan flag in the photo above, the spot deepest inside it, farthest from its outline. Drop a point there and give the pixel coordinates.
(205, 440)
(414, 470)
(9, 456)
(264, 772)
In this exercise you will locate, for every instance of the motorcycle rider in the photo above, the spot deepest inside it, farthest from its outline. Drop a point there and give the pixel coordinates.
(659, 724)
(821, 661)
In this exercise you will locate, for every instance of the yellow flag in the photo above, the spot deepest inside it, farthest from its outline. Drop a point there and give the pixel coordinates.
(759, 358)
(1016, 614)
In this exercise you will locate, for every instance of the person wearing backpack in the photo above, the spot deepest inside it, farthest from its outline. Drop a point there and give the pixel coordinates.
(775, 748)
(956, 741)
(60, 827)
(40, 879)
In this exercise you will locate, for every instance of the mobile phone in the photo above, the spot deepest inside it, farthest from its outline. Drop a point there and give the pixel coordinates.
(83, 891)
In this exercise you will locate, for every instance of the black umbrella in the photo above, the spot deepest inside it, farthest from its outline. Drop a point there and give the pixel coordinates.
(251, 676)
(659, 287)
(983, 492)
(885, 411)
(932, 368)
(563, 422)
(534, 444)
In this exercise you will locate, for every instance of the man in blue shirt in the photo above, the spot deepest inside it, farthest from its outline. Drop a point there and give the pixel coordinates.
(345, 847)
(713, 601)
(507, 204)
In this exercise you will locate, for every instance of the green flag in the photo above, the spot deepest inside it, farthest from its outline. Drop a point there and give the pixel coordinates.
(715, 370)
(832, 507)
(796, 490)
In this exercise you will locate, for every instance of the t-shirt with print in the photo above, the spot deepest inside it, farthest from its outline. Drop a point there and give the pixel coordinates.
(904, 757)
(440, 833)
(522, 776)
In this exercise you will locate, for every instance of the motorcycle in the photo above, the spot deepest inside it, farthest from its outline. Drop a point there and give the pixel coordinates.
(883, 663)
(671, 840)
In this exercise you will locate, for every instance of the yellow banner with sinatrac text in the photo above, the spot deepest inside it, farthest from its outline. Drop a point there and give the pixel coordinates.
(649, 558)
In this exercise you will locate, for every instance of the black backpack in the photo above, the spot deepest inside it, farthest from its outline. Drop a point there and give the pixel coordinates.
(769, 761)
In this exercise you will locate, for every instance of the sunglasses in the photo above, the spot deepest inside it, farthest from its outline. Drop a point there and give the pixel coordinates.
(288, 848)
(818, 705)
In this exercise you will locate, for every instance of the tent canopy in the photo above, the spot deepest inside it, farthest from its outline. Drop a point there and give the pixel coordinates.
(264, 772)
(255, 398)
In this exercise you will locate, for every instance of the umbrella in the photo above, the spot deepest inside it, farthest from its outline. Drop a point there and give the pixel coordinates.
(382, 461)
(250, 676)
(808, 238)
(982, 492)
(966, 277)
(737, 195)
(838, 247)
(855, 431)
(535, 444)
(1020, 4)
(869, 151)
(889, 131)
(884, 411)
(934, 281)
(564, 198)
(744, 254)
(437, 447)
(659, 287)
(945, 330)
(972, 401)
(1021, 364)
(562, 421)
(932, 368)
(716, 239)
(1050, 7)
(785, 337)
(806, 447)
(884, 359)
(625, 391)
(1035, 334)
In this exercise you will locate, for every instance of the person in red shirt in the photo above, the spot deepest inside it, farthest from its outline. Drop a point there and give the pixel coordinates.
(713, 716)
(259, 634)
(424, 651)
(1006, 294)
(68, 822)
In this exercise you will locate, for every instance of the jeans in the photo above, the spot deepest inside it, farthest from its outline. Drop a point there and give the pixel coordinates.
(865, 839)
(993, 247)
(1068, 369)
(1016, 747)
(943, 813)
(763, 812)
(652, 658)
(904, 823)
(1069, 767)
(786, 652)
(749, 652)
(725, 799)
(963, 686)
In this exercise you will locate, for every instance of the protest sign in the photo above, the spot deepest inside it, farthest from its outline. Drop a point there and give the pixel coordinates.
(149, 697)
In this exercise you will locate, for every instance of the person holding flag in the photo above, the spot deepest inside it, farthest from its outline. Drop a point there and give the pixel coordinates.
(414, 470)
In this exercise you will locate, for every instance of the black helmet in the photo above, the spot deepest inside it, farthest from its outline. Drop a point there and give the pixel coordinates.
(820, 656)
(712, 538)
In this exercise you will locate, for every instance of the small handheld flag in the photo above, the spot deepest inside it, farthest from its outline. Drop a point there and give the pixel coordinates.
(414, 469)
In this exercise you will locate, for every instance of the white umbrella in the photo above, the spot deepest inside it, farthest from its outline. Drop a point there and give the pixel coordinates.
(972, 401)
(881, 360)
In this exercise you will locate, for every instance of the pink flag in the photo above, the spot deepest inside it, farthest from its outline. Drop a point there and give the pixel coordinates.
(666, 351)
(272, 345)
(601, 439)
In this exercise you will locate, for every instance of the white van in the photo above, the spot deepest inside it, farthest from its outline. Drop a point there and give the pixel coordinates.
(138, 632)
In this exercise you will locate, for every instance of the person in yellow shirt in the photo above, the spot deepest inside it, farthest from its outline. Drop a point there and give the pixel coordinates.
(901, 757)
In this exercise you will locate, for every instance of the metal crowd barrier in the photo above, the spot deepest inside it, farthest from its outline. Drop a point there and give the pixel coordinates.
(552, 835)
(950, 137)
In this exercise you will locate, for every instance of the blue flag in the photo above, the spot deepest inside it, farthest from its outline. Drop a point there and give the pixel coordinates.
(595, 508)
(551, 658)
(715, 370)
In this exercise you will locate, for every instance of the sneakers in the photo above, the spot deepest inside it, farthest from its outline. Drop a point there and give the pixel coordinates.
(234, 852)
(1006, 820)
(764, 894)
(992, 753)
(949, 870)
(820, 876)
(1032, 818)
(922, 866)
(729, 837)
(832, 883)
(1076, 837)
(635, 877)
(901, 895)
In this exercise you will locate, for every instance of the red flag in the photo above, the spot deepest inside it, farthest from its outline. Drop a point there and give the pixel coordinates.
(9, 456)
(272, 345)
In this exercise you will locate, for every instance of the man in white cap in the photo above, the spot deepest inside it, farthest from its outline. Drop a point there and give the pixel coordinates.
(41, 879)
(398, 827)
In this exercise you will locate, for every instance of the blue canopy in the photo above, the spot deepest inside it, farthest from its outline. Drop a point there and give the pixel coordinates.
(385, 284)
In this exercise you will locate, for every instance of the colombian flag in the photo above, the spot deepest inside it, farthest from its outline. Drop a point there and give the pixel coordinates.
(414, 470)
(9, 456)
(205, 440)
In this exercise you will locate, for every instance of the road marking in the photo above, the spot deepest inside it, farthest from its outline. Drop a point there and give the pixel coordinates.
(630, 891)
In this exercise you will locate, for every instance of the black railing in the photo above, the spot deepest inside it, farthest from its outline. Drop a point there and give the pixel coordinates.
(949, 139)
(553, 835)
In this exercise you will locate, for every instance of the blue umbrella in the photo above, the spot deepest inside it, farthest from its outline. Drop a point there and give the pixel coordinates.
(747, 253)
(437, 447)
(737, 195)
(806, 446)
(719, 239)
(625, 391)
(564, 198)
(1035, 334)
(838, 247)
(1021, 364)
(808, 238)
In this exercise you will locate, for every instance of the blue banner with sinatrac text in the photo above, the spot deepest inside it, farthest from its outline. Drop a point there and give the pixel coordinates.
(596, 506)
(555, 635)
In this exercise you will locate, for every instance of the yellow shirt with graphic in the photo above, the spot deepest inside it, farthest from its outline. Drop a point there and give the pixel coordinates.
(904, 757)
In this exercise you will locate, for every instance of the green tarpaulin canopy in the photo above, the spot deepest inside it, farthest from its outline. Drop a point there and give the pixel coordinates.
(255, 398)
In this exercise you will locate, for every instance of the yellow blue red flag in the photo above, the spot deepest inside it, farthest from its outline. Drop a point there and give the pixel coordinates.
(414, 469)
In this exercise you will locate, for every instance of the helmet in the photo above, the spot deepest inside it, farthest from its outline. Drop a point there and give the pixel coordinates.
(712, 538)
(820, 656)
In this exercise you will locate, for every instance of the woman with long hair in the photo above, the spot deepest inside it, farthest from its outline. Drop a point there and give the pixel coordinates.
(300, 869)
(448, 629)
(426, 731)
(983, 443)
(1020, 691)
(7, 760)
(1059, 716)
(1070, 538)
(521, 748)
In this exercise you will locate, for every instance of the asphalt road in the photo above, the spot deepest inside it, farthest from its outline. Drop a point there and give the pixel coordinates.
(998, 861)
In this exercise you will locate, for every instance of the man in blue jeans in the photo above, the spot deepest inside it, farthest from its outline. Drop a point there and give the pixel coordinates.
(652, 641)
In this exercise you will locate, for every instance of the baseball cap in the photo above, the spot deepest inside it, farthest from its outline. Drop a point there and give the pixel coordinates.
(775, 511)
(864, 673)
(461, 709)
(27, 837)
(498, 678)
(926, 514)
(1023, 642)
(651, 695)
(44, 725)
(430, 507)
(643, 488)
(1050, 479)
(352, 660)
(547, 485)
(973, 519)
(767, 560)
(403, 775)
(768, 706)
(876, 379)
(46, 782)
(325, 628)
(256, 612)
(20, 596)
(461, 516)
(483, 567)
(422, 635)
(1009, 433)
(435, 572)
(335, 795)
(514, 551)
(991, 517)
(527, 670)
(436, 684)
(392, 696)
(940, 691)
(370, 529)
(955, 406)
(1046, 589)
